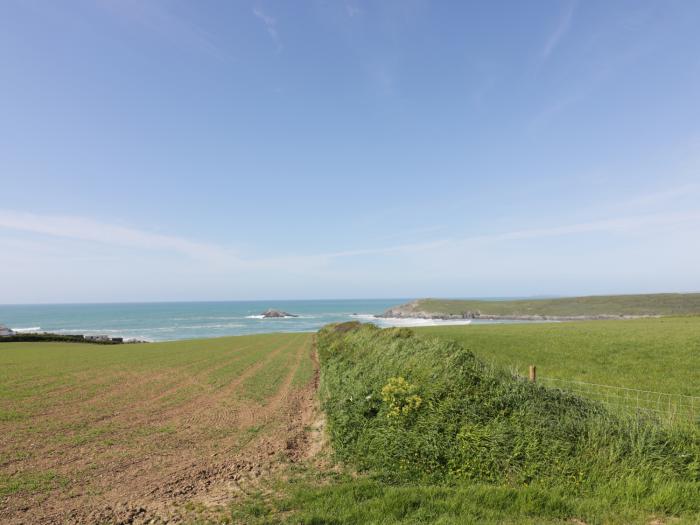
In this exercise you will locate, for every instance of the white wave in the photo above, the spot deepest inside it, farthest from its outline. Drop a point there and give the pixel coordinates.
(86, 331)
(204, 326)
(138, 339)
(206, 318)
(30, 329)
(283, 317)
(408, 322)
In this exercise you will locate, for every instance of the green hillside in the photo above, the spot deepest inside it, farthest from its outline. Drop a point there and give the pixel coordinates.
(600, 305)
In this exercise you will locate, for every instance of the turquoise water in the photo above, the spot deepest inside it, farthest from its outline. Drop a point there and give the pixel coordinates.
(190, 320)
(186, 320)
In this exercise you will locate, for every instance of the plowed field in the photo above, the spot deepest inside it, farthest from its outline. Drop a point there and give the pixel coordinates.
(150, 432)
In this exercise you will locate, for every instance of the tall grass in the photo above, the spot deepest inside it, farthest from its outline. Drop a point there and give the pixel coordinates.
(413, 410)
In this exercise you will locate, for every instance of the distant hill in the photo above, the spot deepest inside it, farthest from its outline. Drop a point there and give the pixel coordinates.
(566, 308)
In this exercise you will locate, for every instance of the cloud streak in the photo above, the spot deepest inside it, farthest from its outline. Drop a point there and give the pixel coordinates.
(270, 24)
(659, 197)
(159, 18)
(84, 229)
(620, 225)
(212, 255)
(94, 260)
(562, 28)
(611, 226)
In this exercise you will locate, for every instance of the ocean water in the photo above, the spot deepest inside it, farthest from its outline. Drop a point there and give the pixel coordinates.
(188, 320)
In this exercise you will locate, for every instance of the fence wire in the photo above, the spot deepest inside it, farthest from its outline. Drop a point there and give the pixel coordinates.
(666, 406)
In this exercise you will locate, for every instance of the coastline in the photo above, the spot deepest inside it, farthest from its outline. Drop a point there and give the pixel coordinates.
(158, 322)
(585, 308)
(471, 316)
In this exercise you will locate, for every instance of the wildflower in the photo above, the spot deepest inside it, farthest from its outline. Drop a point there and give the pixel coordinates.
(401, 397)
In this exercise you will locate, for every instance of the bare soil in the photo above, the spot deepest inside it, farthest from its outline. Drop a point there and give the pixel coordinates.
(171, 463)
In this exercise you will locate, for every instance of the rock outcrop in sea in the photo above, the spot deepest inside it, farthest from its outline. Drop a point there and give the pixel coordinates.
(270, 313)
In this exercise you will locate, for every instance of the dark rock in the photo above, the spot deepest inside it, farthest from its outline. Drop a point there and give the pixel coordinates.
(270, 313)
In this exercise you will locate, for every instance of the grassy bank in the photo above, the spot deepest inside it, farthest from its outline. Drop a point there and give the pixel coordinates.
(442, 436)
(601, 305)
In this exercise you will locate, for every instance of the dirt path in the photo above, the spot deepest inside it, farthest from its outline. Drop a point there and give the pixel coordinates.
(215, 446)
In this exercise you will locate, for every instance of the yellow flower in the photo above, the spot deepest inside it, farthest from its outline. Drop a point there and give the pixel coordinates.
(401, 397)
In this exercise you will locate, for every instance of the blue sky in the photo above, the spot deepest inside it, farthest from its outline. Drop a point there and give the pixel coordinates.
(171, 150)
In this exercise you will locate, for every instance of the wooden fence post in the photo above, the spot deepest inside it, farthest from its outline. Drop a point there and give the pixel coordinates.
(533, 373)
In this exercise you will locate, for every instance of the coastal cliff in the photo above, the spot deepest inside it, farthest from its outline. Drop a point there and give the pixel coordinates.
(557, 309)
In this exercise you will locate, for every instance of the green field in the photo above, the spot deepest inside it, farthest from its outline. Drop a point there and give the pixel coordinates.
(651, 354)
(442, 436)
(222, 430)
(613, 305)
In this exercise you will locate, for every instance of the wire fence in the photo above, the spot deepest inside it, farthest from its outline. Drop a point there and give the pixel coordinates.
(667, 407)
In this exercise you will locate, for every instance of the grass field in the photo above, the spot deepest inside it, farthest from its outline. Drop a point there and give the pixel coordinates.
(104, 431)
(444, 437)
(225, 430)
(652, 354)
(614, 305)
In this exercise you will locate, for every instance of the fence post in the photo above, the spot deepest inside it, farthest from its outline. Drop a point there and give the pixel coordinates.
(533, 373)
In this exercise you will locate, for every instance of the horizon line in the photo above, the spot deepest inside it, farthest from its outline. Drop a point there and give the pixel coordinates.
(407, 298)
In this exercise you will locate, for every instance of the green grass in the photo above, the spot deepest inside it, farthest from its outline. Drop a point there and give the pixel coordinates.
(11, 415)
(247, 355)
(268, 379)
(306, 368)
(365, 501)
(483, 446)
(651, 354)
(30, 482)
(650, 304)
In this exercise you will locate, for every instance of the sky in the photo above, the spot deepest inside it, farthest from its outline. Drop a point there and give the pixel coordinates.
(155, 150)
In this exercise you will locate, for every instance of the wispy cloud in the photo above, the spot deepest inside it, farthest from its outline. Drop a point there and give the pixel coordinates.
(95, 260)
(665, 195)
(159, 18)
(84, 229)
(618, 225)
(614, 226)
(210, 255)
(270, 24)
(562, 28)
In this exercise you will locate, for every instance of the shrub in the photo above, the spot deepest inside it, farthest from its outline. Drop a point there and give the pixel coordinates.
(401, 397)
(412, 409)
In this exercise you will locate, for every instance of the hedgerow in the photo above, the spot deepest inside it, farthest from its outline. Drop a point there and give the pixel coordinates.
(410, 409)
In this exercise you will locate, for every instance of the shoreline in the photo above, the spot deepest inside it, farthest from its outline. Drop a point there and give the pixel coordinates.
(393, 314)
(586, 308)
(38, 337)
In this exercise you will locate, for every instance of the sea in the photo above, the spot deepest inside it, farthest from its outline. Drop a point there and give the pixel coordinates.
(189, 320)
